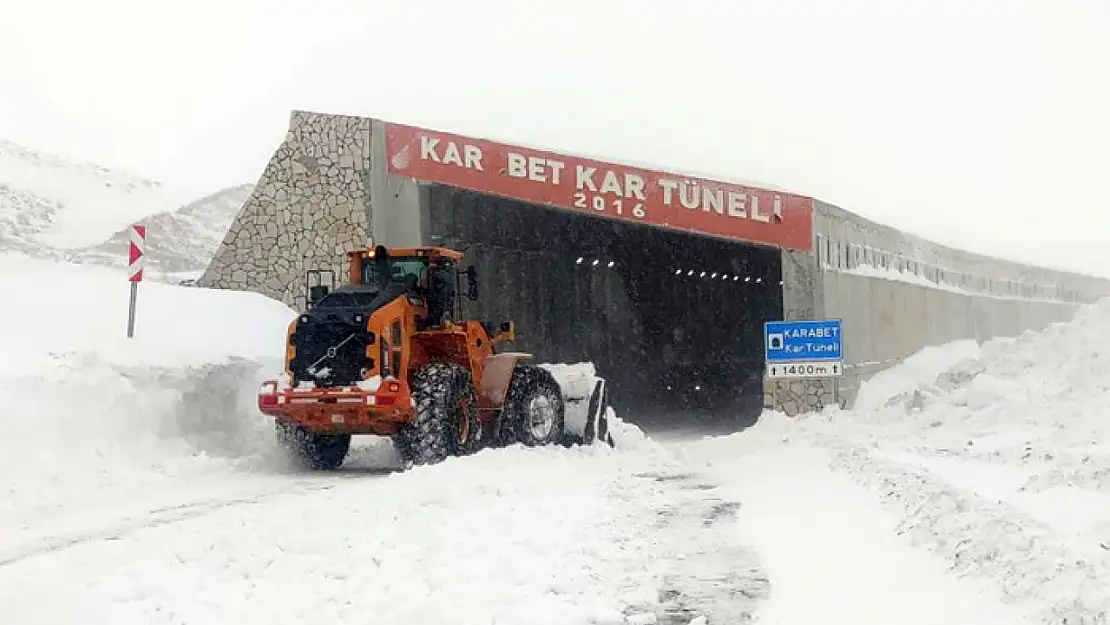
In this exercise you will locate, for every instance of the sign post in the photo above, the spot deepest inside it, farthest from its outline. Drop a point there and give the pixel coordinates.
(135, 251)
(804, 349)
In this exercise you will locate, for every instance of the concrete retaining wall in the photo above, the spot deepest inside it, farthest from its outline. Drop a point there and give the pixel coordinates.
(897, 293)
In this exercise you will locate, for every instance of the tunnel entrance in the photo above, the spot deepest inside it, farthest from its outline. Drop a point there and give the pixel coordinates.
(673, 320)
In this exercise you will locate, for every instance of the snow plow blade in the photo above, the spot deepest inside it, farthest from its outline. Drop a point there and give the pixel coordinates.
(586, 402)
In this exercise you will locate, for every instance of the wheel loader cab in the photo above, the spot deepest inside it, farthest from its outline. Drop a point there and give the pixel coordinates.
(429, 275)
(383, 269)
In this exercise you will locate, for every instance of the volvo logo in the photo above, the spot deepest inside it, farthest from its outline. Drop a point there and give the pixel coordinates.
(331, 352)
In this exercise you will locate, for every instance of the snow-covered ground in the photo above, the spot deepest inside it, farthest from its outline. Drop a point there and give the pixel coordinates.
(969, 485)
(139, 485)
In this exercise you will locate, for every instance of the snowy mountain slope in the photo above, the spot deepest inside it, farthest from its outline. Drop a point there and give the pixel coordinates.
(57, 208)
(181, 240)
(67, 203)
(995, 462)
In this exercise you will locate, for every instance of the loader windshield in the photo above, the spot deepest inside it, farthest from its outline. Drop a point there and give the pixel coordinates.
(410, 271)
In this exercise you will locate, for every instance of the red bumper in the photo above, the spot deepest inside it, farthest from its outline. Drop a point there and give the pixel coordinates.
(339, 410)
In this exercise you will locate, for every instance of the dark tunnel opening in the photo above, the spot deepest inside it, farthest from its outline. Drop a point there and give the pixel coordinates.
(673, 320)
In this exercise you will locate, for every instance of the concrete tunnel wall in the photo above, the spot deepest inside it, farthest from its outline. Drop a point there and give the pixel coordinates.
(898, 293)
(324, 191)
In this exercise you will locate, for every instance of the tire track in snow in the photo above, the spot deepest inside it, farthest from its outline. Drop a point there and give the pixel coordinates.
(708, 574)
(1028, 560)
(121, 526)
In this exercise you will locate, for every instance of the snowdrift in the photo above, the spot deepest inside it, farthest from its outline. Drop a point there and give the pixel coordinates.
(57, 307)
(87, 411)
(992, 456)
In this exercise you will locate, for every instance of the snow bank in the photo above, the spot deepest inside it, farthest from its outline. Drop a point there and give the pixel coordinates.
(992, 458)
(832, 554)
(58, 308)
(920, 368)
(90, 415)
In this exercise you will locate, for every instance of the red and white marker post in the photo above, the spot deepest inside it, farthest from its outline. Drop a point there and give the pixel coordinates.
(135, 271)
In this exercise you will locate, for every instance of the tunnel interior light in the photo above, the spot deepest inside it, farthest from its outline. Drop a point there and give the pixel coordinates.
(701, 273)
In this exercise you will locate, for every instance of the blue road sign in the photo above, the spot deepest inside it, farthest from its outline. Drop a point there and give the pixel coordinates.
(811, 341)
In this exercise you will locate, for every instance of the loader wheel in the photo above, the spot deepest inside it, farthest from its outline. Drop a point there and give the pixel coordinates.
(446, 421)
(313, 451)
(534, 409)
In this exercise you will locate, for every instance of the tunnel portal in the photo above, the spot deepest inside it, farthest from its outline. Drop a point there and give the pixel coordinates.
(674, 320)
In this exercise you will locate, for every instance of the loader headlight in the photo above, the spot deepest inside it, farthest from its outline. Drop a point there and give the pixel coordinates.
(303, 319)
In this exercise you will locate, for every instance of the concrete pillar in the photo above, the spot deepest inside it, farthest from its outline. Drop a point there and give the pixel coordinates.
(801, 299)
(398, 207)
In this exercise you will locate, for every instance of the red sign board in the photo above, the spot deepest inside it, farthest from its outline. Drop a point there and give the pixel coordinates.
(599, 188)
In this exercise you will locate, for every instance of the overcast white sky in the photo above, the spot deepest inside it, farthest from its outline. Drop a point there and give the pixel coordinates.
(980, 123)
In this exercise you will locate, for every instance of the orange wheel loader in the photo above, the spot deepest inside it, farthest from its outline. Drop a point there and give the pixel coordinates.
(387, 355)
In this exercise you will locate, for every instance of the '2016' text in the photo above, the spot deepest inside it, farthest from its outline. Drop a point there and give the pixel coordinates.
(617, 206)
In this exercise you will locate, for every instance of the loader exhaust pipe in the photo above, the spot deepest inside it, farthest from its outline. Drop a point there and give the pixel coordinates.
(381, 267)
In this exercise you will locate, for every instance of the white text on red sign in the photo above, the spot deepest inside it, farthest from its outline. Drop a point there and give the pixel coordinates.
(618, 191)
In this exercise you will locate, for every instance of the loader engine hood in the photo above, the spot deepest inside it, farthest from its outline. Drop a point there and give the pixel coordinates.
(330, 340)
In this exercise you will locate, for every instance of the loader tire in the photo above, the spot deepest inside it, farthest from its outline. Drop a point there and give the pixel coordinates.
(446, 421)
(534, 411)
(307, 450)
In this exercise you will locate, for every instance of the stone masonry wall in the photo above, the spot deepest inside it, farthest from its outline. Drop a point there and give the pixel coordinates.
(311, 205)
(795, 397)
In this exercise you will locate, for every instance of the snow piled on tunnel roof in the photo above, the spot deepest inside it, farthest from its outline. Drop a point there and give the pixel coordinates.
(577, 153)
